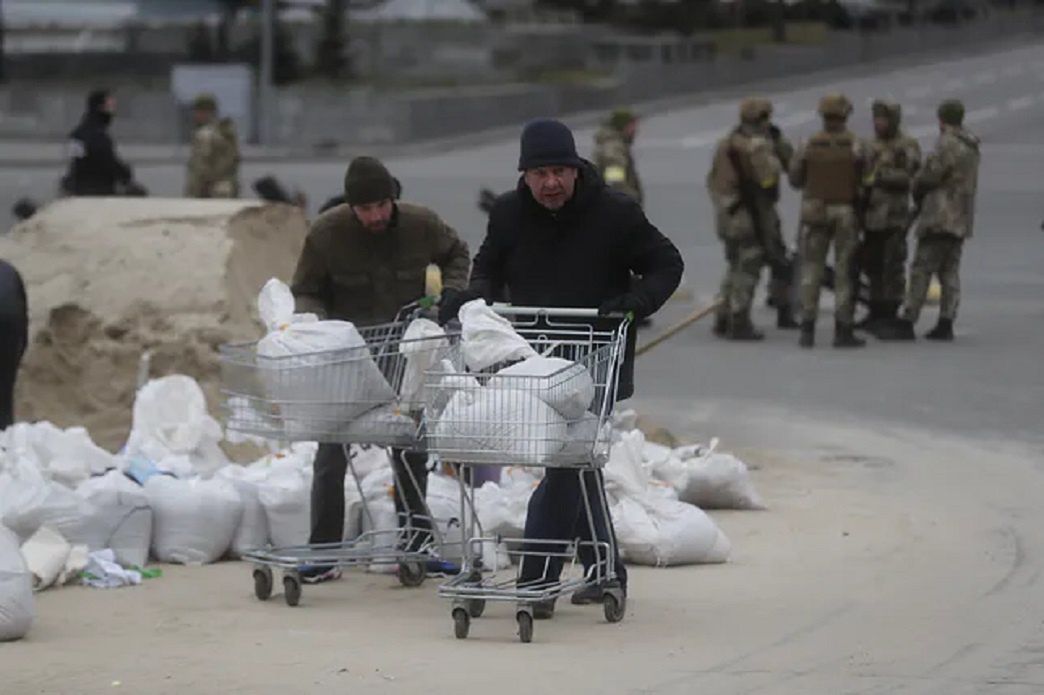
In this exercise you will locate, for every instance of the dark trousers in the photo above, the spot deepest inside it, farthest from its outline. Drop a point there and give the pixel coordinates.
(12, 345)
(330, 468)
(556, 512)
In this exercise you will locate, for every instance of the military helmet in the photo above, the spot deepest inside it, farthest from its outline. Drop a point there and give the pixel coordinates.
(621, 118)
(204, 102)
(951, 112)
(887, 108)
(835, 105)
(753, 109)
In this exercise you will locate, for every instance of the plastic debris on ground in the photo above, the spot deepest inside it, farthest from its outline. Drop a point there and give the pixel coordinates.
(51, 559)
(104, 572)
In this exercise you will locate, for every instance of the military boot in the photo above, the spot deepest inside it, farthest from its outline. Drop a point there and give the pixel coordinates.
(808, 334)
(900, 329)
(785, 317)
(872, 318)
(942, 331)
(721, 324)
(740, 328)
(845, 337)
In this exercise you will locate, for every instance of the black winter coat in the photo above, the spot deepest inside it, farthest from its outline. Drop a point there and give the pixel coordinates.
(94, 168)
(579, 256)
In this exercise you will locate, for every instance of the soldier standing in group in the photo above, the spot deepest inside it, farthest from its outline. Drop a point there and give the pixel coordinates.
(893, 159)
(613, 157)
(827, 169)
(744, 186)
(945, 192)
(213, 166)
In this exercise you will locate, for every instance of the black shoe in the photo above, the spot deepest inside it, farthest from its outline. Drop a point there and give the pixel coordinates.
(808, 334)
(900, 329)
(785, 318)
(872, 318)
(740, 328)
(544, 610)
(845, 337)
(587, 595)
(942, 331)
(721, 325)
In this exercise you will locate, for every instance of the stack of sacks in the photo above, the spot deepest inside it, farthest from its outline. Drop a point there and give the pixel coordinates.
(16, 589)
(523, 412)
(320, 373)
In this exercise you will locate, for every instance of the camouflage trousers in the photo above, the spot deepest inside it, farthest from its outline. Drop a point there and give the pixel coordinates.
(882, 258)
(744, 257)
(937, 254)
(840, 230)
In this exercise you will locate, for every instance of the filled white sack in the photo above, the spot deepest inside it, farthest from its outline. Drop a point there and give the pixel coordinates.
(252, 531)
(333, 377)
(123, 518)
(17, 610)
(68, 456)
(170, 421)
(488, 338)
(709, 479)
(564, 385)
(51, 559)
(384, 423)
(515, 425)
(285, 495)
(423, 344)
(194, 521)
(28, 500)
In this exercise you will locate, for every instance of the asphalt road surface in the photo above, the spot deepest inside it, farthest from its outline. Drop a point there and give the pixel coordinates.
(902, 550)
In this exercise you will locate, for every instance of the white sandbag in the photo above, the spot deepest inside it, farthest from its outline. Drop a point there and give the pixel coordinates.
(17, 610)
(709, 479)
(67, 456)
(28, 500)
(451, 383)
(51, 559)
(368, 459)
(353, 511)
(488, 338)
(502, 509)
(252, 531)
(194, 521)
(285, 495)
(386, 421)
(564, 385)
(333, 377)
(518, 427)
(171, 420)
(423, 343)
(667, 532)
(123, 518)
(584, 439)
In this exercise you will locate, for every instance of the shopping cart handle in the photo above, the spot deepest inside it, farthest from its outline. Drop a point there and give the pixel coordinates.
(556, 312)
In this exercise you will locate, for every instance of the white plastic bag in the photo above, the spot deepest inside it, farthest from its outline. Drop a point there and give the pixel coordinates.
(28, 500)
(383, 421)
(488, 338)
(709, 479)
(123, 518)
(565, 386)
(51, 559)
(252, 532)
(194, 521)
(518, 427)
(67, 456)
(17, 610)
(422, 343)
(333, 377)
(171, 419)
(285, 496)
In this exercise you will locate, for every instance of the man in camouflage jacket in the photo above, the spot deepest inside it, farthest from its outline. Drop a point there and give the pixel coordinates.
(613, 157)
(213, 166)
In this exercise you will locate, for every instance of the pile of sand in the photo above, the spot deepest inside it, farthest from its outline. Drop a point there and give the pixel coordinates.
(110, 280)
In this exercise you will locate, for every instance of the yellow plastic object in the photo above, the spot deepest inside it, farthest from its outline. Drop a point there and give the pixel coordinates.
(934, 292)
(433, 281)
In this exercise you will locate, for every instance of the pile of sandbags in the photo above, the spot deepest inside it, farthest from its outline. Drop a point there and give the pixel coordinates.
(16, 589)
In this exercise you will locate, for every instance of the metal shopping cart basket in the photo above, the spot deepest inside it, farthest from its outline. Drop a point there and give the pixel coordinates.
(513, 418)
(367, 395)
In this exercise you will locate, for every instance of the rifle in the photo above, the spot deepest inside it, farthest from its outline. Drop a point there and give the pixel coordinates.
(748, 199)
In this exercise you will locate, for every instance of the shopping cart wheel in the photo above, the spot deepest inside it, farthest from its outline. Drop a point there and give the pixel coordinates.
(412, 573)
(292, 589)
(263, 583)
(525, 626)
(476, 607)
(614, 605)
(461, 623)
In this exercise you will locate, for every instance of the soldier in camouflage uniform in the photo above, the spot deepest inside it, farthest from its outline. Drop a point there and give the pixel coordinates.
(827, 169)
(945, 192)
(213, 166)
(893, 159)
(612, 154)
(743, 184)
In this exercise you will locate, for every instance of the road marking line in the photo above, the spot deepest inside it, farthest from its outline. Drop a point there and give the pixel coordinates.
(982, 114)
(1020, 103)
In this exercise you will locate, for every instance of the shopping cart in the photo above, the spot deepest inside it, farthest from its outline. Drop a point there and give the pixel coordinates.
(486, 418)
(368, 395)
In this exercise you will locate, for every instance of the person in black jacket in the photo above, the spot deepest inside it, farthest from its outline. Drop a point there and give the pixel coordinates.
(94, 167)
(563, 238)
(14, 330)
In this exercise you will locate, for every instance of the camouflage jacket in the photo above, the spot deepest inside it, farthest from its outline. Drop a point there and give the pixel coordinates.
(891, 165)
(946, 185)
(213, 166)
(758, 159)
(614, 161)
(346, 272)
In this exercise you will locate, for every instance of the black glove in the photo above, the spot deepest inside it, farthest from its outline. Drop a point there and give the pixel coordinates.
(625, 303)
(452, 300)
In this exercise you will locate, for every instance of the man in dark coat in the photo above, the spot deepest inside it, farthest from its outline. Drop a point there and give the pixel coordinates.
(563, 238)
(14, 330)
(94, 167)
